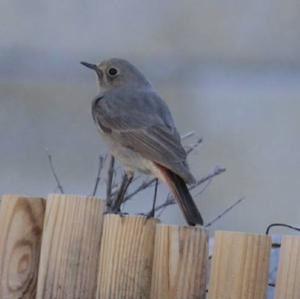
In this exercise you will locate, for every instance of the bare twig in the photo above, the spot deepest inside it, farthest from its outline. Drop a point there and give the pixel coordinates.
(224, 212)
(110, 181)
(204, 187)
(116, 190)
(193, 146)
(144, 185)
(98, 178)
(187, 135)
(115, 183)
(168, 202)
(170, 199)
(59, 185)
(217, 171)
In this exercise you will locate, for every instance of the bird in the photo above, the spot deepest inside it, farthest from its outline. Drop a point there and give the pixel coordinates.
(138, 127)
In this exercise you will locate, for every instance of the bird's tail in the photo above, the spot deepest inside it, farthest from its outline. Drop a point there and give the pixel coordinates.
(182, 195)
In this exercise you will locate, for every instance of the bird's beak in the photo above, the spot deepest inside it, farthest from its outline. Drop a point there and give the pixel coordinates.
(90, 65)
(93, 67)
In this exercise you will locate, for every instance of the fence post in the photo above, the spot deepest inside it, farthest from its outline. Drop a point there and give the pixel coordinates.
(126, 257)
(70, 247)
(180, 263)
(240, 266)
(21, 223)
(288, 276)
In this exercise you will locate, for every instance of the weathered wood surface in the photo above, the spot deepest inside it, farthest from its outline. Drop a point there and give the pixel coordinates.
(240, 266)
(86, 255)
(70, 247)
(21, 222)
(126, 257)
(288, 277)
(180, 263)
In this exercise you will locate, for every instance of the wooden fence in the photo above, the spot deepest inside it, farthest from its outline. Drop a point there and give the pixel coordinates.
(64, 248)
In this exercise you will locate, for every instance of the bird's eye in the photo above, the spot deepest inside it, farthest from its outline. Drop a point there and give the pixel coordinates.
(113, 71)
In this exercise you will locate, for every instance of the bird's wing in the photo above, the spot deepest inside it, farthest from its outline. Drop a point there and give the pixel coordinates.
(143, 123)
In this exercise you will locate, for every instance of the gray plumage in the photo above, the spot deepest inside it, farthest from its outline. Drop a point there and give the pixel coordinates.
(136, 123)
(140, 121)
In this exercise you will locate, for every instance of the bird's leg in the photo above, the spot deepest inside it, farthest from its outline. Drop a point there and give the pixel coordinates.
(151, 214)
(126, 181)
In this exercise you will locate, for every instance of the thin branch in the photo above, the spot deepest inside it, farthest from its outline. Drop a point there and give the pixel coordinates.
(110, 181)
(115, 183)
(193, 146)
(217, 171)
(170, 199)
(224, 212)
(204, 187)
(144, 185)
(98, 177)
(116, 190)
(59, 185)
(187, 135)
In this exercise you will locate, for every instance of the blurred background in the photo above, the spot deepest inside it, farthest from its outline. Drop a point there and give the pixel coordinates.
(229, 70)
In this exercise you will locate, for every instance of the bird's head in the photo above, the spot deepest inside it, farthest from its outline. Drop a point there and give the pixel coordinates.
(116, 72)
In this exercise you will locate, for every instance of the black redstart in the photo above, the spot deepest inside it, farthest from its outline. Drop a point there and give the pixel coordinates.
(140, 132)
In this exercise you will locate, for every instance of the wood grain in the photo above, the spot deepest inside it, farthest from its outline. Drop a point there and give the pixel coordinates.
(240, 266)
(70, 247)
(21, 223)
(126, 257)
(288, 276)
(180, 263)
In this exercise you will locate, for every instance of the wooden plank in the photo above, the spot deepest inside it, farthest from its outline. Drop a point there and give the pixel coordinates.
(288, 277)
(126, 257)
(21, 223)
(240, 266)
(70, 247)
(180, 263)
